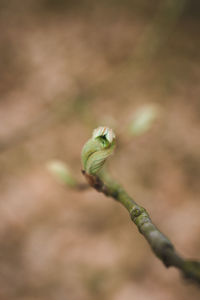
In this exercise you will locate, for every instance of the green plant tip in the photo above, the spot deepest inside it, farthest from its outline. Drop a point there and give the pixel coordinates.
(97, 149)
(105, 132)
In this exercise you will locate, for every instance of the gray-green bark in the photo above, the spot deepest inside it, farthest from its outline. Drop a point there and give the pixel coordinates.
(160, 244)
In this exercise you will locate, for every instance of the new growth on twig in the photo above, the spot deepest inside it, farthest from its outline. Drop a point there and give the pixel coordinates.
(94, 155)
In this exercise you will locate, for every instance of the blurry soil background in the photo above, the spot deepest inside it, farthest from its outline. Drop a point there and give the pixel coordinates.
(67, 67)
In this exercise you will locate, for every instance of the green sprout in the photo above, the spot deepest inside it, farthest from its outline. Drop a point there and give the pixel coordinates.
(97, 149)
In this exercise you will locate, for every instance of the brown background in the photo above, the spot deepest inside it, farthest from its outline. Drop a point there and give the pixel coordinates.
(67, 67)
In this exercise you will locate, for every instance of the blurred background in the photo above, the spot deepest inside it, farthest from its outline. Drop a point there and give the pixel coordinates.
(67, 67)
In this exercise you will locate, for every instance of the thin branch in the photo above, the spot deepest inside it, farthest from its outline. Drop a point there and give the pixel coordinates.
(160, 244)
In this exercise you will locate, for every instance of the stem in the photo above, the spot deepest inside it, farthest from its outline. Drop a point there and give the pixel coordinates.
(160, 244)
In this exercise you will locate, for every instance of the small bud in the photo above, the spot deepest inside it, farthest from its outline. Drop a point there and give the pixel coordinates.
(62, 173)
(143, 119)
(97, 150)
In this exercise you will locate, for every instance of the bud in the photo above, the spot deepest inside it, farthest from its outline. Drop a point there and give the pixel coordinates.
(97, 150)
(62, 173)
(143, 119)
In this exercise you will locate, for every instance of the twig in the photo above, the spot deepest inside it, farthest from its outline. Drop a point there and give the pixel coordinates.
(160, 244)
(94, 154)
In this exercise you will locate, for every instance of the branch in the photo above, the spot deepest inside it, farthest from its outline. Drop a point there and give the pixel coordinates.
(160, 244)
